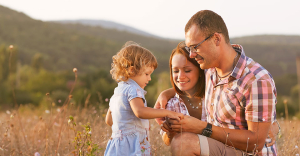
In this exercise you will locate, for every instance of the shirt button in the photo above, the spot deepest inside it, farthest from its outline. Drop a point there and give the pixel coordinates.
(212, 120)
(212, 104)
(214, 88)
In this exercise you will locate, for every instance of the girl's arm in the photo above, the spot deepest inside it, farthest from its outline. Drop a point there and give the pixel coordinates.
(140, 111)
(108, 118)
(162, 100)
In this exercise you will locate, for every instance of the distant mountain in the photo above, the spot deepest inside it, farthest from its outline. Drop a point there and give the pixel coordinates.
(68, 45)
(268, 39)
(108, 25)
(64, 46)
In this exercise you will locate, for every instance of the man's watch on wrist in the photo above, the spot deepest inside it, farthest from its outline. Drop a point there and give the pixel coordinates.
(207, 131)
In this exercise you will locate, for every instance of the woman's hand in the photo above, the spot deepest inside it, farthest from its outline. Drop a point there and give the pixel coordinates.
(273, 132)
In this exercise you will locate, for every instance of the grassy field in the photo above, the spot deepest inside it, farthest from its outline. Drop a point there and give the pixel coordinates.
(70, 130)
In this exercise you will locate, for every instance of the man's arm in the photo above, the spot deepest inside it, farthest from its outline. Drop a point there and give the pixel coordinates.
(251, 139)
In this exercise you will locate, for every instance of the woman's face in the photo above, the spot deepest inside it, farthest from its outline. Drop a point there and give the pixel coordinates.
(185, 74)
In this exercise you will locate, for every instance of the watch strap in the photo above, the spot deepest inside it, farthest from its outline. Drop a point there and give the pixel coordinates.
(208, 130)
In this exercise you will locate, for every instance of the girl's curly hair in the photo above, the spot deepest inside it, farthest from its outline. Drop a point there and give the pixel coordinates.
(134, 56)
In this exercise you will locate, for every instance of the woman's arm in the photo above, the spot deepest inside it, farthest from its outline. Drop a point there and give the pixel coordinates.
(140, 111)
(108, 118)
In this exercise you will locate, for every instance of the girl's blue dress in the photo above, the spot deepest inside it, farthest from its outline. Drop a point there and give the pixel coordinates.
(130, 134)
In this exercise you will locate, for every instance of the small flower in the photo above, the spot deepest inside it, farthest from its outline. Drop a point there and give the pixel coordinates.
(296, 146)
(47, 111)
(90, 132)
(297, 154)
(69, 121)
(59, 101)
(106, 99)
(37, 154)
(7, 112)
(11, 47)
(75, 70)
(58, 110)
(11, 116)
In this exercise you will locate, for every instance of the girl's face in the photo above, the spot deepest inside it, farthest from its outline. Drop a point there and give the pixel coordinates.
(185, 74)
(143, 78)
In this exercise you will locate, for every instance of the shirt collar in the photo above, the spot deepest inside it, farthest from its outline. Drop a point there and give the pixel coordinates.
(241, 64)
(130, 81)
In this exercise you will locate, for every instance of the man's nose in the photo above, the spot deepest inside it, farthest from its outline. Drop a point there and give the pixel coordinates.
(193, 54)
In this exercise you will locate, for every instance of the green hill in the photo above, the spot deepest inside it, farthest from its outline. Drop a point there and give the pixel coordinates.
(72, 45)
(64, 46)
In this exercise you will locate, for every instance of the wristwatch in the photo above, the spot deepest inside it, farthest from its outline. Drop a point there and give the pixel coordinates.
(208, 130)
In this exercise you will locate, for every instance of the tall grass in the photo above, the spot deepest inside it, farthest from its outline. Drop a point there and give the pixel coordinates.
(44, 132)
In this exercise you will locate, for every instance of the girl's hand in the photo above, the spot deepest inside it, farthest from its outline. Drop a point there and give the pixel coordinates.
(175, 115)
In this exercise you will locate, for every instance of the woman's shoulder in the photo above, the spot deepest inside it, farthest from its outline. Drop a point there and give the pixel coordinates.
(177, 104)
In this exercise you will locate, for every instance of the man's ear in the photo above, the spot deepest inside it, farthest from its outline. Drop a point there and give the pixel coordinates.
(218, 39)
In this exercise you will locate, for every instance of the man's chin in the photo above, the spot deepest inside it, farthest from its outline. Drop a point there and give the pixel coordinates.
(203, 66)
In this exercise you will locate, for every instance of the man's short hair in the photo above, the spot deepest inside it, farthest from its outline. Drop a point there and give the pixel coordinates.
(208, 22)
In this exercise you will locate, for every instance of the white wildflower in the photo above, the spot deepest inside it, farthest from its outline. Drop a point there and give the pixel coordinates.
(37, 154)
(7, 112)
(47, 111)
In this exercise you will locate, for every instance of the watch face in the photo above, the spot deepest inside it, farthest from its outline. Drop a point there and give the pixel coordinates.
(207, 132)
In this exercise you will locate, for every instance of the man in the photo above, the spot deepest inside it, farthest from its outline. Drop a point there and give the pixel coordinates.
(240, 96)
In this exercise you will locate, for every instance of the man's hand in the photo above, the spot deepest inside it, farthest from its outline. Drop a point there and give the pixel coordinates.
(188, 124)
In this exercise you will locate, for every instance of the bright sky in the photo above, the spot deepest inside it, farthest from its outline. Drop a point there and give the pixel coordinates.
(167, 18)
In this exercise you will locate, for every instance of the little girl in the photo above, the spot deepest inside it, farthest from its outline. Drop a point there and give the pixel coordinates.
(132, 68)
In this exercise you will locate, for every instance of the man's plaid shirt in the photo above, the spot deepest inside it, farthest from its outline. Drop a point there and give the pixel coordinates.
(248, 94)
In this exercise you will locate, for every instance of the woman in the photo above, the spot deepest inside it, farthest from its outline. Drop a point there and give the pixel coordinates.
(188, 81)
